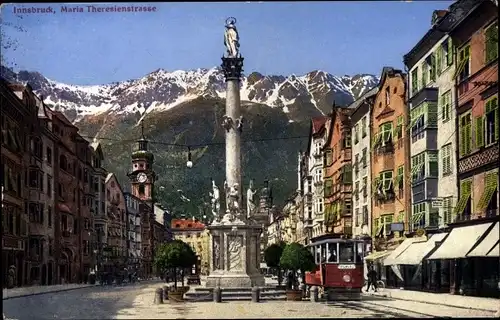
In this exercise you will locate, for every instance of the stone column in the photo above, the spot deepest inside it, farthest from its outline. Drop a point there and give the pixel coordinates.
(232, 68)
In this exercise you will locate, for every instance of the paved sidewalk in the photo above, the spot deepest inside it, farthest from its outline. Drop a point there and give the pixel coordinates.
(489, 304)
(33, 290)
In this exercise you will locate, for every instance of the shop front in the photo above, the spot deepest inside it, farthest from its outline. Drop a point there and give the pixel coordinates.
(393, 271)
(410, 270)
(468, 259)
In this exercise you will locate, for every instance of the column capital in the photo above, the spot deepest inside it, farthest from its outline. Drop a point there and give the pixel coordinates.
(232, 68)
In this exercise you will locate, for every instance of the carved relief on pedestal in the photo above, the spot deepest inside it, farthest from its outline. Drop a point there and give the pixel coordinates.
(235, 245)
(216, 253)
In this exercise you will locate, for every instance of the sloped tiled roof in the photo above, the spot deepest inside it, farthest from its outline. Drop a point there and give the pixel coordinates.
(318, 123)
(186, 224)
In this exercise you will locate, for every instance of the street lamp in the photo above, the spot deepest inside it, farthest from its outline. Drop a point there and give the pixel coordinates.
(189, 162)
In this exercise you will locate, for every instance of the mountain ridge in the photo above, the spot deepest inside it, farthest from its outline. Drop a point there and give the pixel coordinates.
(186, 108)
(161, 90)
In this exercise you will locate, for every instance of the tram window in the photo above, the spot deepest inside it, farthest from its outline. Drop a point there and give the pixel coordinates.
(332, 254)
(323, 253)
(346, 252)
(359, 252)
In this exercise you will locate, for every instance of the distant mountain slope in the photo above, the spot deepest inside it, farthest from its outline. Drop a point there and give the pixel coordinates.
(185, 107)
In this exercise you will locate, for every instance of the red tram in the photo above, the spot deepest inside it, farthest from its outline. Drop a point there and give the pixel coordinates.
(339, 268)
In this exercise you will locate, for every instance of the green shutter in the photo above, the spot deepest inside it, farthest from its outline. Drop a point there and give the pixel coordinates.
(493, 105)
(479, 132)
(450, 52)
(425, 71)
(439, 57)
(462, 141)
(468, 140)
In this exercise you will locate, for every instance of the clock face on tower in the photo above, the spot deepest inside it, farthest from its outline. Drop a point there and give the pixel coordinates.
(141, 177)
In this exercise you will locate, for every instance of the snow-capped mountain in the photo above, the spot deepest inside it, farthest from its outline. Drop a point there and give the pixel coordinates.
(161, 90)
(186, 107)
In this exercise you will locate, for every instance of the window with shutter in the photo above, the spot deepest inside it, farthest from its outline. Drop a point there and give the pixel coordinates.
(432, 67)
(399, 127)
(479, 130)
(432, 160)
(446, 159)
(439, 58)
(463, 69)
(465, 134)
(491, 121)
(491, 42)
(414, 81)
(449, 52)
(445, 106)
(385, 132)
(363, 158)
(425, 73)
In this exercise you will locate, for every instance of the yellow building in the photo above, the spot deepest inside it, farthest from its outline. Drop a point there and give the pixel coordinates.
(194, 233)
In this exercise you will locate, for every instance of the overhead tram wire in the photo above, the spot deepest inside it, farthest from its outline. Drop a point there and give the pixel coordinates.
(201, 145)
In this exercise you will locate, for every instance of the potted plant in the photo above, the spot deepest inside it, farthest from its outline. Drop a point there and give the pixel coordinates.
(272, 256)
(175, 256)
(295, 257)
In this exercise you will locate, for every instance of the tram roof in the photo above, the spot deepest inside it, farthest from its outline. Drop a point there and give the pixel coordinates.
(334, 240)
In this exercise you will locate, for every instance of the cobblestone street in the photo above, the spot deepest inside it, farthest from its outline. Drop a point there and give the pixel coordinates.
(136, 302)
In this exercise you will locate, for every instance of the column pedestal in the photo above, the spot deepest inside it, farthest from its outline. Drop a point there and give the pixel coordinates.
(235, 259)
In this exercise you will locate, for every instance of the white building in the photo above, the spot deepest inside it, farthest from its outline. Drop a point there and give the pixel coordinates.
(432, 126)
(314, 187)
(360, 146)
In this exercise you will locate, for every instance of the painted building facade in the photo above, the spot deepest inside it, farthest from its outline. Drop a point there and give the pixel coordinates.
(194, 233)
(432, 84)
(476, 39)
(389, 160)
(360, 146)
(337, 173)
(116, 249)
(133, 230)
(14, 221)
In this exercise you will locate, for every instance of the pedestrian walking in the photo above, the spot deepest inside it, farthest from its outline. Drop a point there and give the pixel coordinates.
(372, 278)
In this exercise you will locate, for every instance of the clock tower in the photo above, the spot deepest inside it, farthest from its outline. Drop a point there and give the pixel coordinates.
(142, 177)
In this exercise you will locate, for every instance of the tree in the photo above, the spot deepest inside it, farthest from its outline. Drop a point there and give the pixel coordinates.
(175, 256)
(272, 256)
(296, 257)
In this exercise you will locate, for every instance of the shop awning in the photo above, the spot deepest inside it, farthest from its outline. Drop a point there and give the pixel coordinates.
(391, 259)
(495, 252)
(377, 255)
(460, 241)
(418, 250)
(487, 244)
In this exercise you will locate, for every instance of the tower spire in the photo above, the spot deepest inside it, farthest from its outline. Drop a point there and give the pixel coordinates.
(142, 130)
(143, 143)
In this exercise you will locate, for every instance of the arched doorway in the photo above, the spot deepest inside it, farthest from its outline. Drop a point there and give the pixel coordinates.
(65, 265)
(44, 275)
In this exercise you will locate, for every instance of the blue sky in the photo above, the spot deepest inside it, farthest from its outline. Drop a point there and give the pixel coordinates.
(276, 38)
